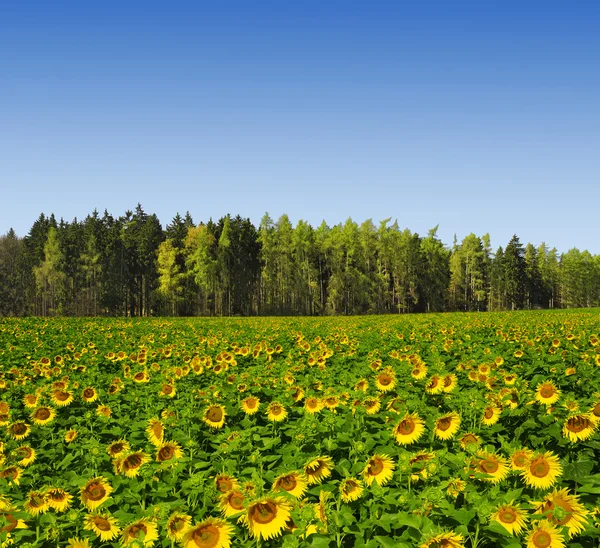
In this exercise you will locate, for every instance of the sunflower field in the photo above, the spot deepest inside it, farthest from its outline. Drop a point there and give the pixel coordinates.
(475, 430)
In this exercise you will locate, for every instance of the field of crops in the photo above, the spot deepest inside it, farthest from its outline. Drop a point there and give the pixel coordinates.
(415, 431)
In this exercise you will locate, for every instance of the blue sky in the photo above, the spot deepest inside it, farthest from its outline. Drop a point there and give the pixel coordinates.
(477, 116)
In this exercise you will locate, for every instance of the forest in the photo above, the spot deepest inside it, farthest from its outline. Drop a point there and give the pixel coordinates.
(131, 266)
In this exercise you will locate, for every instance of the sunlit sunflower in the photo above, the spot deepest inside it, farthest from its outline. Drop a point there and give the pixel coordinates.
(232, 503)
(351, 489)
(435, 385)
(449, 383)
(43, 415)
(142, 532)
(214, 416)
(169, 450)
(445, 540)
(447, 426)
(564, 510)
(379, 468)
(520, 458)
(547, 393)
(297, 393)
(177, 525)
(312, 405)
(210, 533)
(250, 405)
(491, 414)
(512, 517)
(19, 430)
(293, 483)
(409, 429)
(130, 465)
(89, 394)
(26, 455)
(155, 431)
(70, 435)
(372, 405)
(544, 535)
(542, 471)
(455, 487)
(225, 483)
(386, 380)
(579, 427)
(78, 543)
(493, 466)
(469, 440)
(362, 385)
(95, 492)
(419, 371)
(29, 400)
(12, 474)
(59, 499)
(276, 412)
(117, 448)
(104, 411)
(266, 518)
(167, 390)
(103, 525)
(61, 398)
(316, 470)
(36, 503)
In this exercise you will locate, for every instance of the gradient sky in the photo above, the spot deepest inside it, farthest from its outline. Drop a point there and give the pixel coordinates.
(477, 116)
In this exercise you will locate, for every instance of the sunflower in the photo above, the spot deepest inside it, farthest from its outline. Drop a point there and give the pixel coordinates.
(318, 469)
(78, 543)
(167, 390)
(511, 516)
(225, 483)
(19, 430)
(579, 427)
(435, 385)
(297, 393)
(177, 525)
(61, 398)
(169, 450)
(70, 435)
(104, 411)
(419, 464)
(214, 416)
(250, 405)
(276, 412)
(155, 431)
(520, 458)
(89, 394)
(564, 510)
(331, 402)
(30, 401)
(542, 471)
(37, 503)
(372, 405)
(419, 372)
(26, 454)
(130, 464)
(232, 503)
(544, 535)
(449, 382)
(103, 525)
(469, 440)
(95, 492)
(266, 518)
(493, 466)
(42, 415)
(385, 381)
(455, 487)
(351, 489)
(312, 405)
(547, 393)
(379, 468)
(12, 474)
(409, 429)
(447, 426)
(491, 414)
(447, 540)
(117, 448)
(210, 533)
(59, 499)
(293, 483)
(142, 532)
(362, 385)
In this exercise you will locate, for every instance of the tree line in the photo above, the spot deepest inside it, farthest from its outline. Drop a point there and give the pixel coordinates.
(131, 266)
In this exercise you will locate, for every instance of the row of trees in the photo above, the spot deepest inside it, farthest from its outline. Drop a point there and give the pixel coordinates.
(130, 266)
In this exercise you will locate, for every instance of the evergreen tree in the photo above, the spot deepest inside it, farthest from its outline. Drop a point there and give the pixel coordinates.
(514, 274)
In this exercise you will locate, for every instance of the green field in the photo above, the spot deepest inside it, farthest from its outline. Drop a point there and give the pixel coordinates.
(396, 431)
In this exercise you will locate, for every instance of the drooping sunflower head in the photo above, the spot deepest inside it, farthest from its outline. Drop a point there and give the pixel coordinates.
(266, 518)
(70, 435)
(177, 525)
(469, 441)
(25, 454)
(36, 503)
(542, 470)
(579, 427)
(351, 489)
(409, 429)
(293, 483)
(59, 499)
(372, 405)
(155, 431)
(117, 448)
(316, 470)
(130, 464)
(214, 416)
(449, 383)
(379, 468)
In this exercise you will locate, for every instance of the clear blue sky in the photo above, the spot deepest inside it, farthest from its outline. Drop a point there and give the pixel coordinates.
(478, 116)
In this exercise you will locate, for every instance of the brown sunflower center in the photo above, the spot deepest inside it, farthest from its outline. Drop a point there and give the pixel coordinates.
(19, 428)
(444, 423)
(539, 467)
(251, 403)
(11, 522)
(157, 429)
(116, 448)
(139, 376)
(36, 500)
(469, 438)
(57, 496)
(61, 396)
(263, 512)
(167, 388)
(520, 459)
(578, 424)
(236, 501)
(102, 523)
(315, 468)
(547, 391)
(94, 491)
(177, 525)
(376, 466)
(207, 536)
(385, 380)
(596, 410)
(489, 413)
(42, 414)
(489, 466)
(166, 453)
(349, 487)
(433, 383)
(224, 485)
(288, 482)
(135, 530)
(215, 414)
(541, 539)
(406, 427)
(550, 505)
(88, 393)
(312, 403)
(132, 462)
(507, 515)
